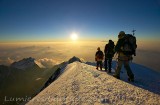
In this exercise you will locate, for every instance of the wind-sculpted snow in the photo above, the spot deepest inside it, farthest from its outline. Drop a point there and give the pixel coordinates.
(145, 78)
(82, 84)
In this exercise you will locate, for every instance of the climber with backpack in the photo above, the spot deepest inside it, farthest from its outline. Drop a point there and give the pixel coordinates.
(125, 48)
(99, 58)
(109, 53)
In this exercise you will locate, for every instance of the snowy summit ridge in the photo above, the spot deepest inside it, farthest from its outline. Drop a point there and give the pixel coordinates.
(83, 84)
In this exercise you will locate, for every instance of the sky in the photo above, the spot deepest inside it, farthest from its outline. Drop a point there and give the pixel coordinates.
(55, 20)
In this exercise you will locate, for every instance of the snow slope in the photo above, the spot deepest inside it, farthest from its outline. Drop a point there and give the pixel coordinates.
(145, 78)
(83, 84)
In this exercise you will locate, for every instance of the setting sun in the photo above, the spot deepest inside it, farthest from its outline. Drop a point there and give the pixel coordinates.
(74, 36)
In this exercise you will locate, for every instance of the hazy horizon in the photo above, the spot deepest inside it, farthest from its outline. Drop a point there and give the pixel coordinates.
(51, 53)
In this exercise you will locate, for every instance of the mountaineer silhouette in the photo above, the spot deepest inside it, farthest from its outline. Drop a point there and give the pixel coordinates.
(125, 48)
(109, 53)
(99, 58)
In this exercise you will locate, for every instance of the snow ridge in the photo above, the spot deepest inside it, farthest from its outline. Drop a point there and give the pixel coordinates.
(83, 84)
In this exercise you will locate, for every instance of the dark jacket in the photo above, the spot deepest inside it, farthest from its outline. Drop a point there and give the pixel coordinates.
(109, 50)
(99, 56)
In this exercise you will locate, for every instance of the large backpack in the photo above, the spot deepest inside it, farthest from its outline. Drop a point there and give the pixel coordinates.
(129, 45)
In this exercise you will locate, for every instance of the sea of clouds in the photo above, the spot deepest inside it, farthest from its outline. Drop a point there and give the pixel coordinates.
(50, 54)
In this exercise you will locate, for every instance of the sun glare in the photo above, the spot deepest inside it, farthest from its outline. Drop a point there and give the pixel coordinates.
(74, 36)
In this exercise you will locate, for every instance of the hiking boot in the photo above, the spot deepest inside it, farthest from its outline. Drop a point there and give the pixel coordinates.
(130, 79)
(109, 71)
(106, 68)
(116, 76)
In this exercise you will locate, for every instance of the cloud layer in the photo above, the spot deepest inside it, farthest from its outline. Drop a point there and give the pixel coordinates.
(6, 61)
(48, 63)
(49, 54)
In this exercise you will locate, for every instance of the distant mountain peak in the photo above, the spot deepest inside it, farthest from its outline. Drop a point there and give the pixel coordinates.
(73, 59)
(24, 63)
(29, 59)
